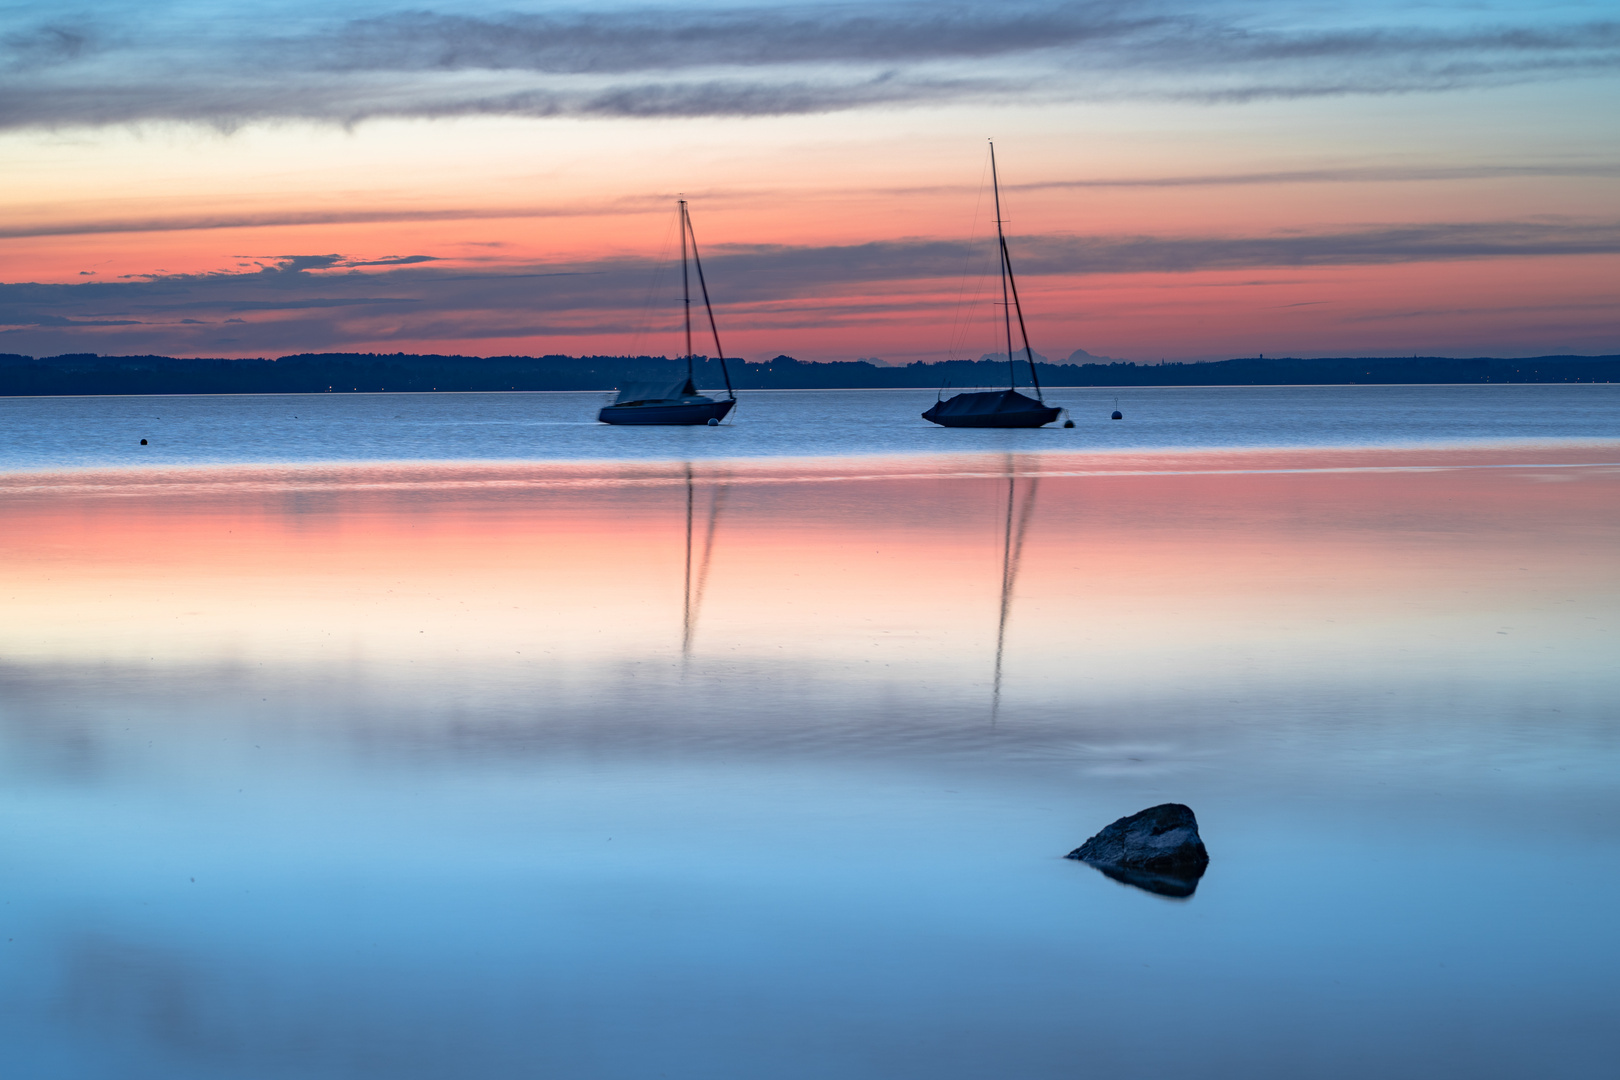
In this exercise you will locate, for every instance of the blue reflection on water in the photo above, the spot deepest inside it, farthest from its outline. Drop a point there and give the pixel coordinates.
(403, 903)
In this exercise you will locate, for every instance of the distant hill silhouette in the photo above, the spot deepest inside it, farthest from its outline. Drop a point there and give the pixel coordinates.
(308, 373)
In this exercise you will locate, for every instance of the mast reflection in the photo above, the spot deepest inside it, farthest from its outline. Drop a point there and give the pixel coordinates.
(692, 593)
(1012, 550)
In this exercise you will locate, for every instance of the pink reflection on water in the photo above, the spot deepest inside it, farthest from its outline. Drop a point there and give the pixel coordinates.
(1126, 567)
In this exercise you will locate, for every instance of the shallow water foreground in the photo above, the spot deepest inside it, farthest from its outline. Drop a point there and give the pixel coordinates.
(748, 770)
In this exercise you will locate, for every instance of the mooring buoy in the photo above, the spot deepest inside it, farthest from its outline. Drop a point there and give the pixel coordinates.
(1117, 415)
(1068, 423)
(713, 422)
(143, 442)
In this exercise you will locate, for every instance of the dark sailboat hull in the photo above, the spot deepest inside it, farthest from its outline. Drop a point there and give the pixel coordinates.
(999, 409)
(678, 413)
(1031, 419)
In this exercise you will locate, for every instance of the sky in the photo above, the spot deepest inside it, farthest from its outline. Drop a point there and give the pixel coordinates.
(1182, 181)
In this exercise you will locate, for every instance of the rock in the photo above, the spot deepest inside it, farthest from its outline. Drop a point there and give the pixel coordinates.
(1158, 850)
(1155, 839)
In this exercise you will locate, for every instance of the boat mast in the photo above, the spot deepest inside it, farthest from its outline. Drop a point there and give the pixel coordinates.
(1007, 280)
(713, 326)
(686, 298)
(1006, 308)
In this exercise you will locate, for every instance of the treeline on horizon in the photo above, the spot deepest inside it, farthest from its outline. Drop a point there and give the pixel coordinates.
(310, 373)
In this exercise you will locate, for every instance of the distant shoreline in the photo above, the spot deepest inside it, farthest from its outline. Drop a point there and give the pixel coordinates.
(91, 374)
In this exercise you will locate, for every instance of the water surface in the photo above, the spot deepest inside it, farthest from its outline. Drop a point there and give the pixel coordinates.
(70, 432)
(766, 766)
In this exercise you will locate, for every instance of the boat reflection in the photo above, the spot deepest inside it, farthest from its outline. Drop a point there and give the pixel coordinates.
(692, 593)
(1012, 551)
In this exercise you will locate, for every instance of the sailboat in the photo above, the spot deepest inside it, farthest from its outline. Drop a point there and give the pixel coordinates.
(677, 402)
(1000, 408)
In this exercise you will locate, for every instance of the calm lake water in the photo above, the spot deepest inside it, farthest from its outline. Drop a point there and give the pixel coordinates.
(65, 432)
(453, 736)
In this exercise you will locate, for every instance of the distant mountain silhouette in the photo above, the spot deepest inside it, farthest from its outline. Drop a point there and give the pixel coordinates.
(88, 373)
(1080, 356)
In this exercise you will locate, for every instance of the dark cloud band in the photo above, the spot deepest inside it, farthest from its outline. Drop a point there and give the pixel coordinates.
(745, 61)
(325, 301)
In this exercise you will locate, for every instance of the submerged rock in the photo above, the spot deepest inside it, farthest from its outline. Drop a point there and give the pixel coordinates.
(1158, 850)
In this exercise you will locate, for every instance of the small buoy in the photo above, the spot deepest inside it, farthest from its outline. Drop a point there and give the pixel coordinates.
(1068, 423)
(713, 422)
(1117, 415)
(143, 442)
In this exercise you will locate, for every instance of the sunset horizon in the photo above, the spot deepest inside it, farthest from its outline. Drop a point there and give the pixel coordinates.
(1178, 183)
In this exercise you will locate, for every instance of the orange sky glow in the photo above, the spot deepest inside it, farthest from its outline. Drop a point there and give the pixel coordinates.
(1453, 219)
